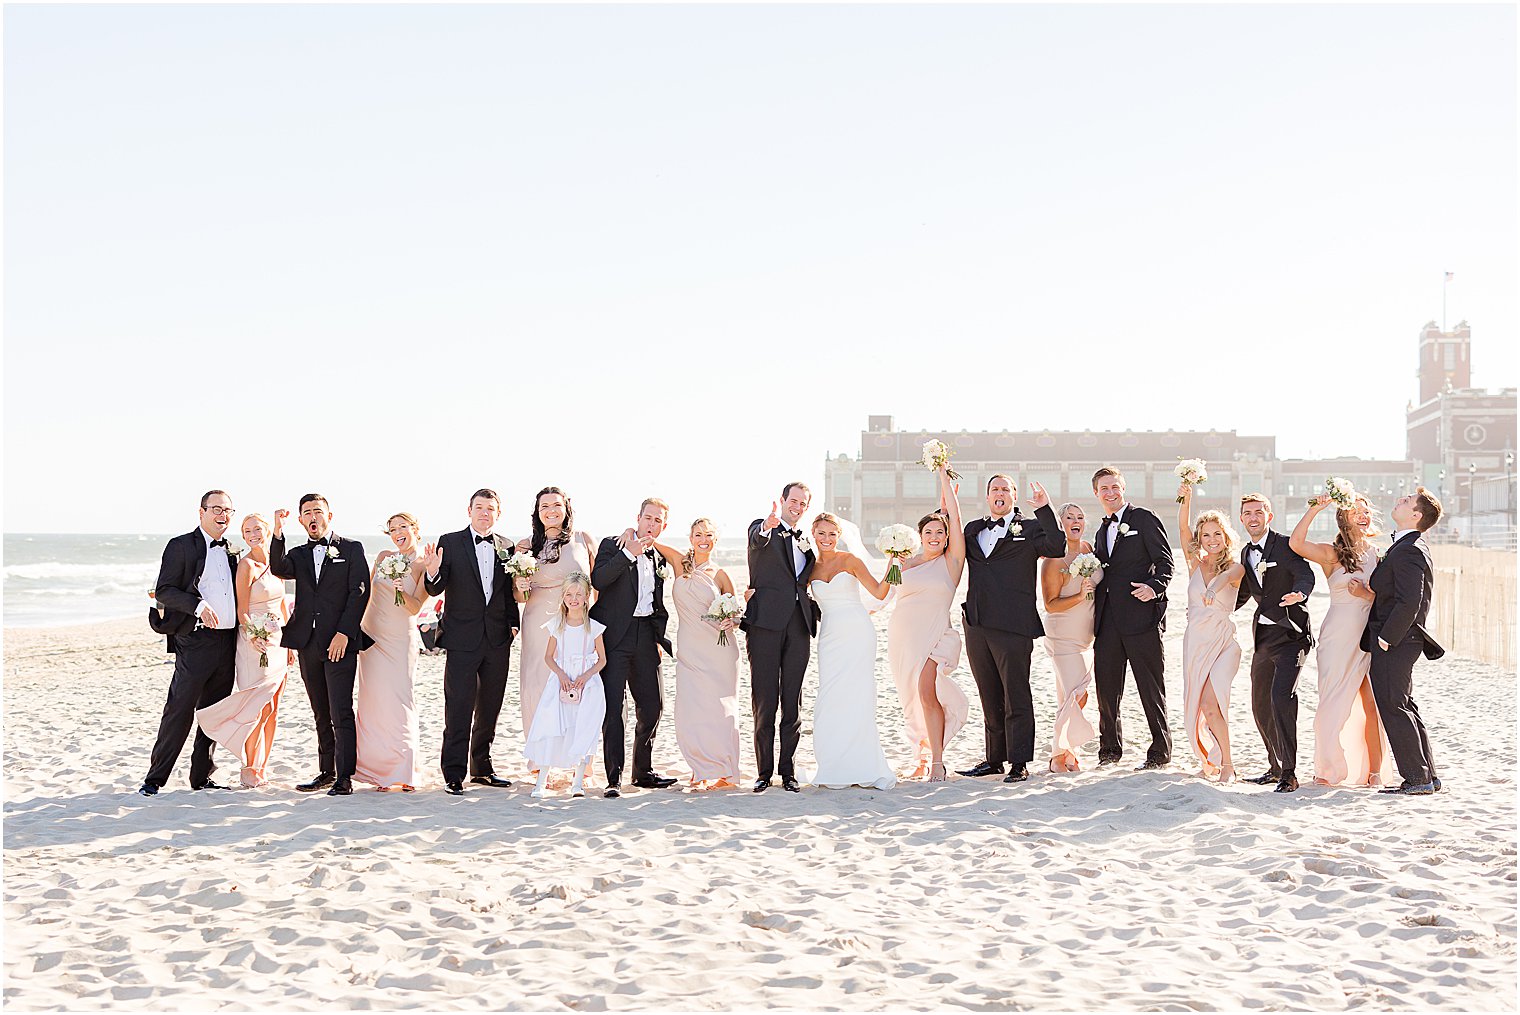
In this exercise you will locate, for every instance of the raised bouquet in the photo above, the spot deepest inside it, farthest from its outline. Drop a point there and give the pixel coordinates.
(396, 567)
(1342, 493)
(1191, 471)
(725, 606)
(936, 455)
(897, 541)
(262, 629)
(1084, 566)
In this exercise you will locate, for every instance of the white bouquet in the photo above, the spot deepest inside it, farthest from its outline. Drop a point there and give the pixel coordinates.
(936, 455)
(1342, 493)
(262, 630)
(521, 564)
(725, 606)
(1085, 565)
(897, 541)
(395, 567)
(1191, 471)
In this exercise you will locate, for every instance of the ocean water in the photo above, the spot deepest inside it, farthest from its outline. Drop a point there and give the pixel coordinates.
(53, 580)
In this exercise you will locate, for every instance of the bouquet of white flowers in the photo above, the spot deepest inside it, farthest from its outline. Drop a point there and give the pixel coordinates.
(262, 630)
(897, 541)
(936, 455)
(725, 606)
(1342, 493)
(1191, 471)
(1085, 565)
(521, 564)
(395, 567)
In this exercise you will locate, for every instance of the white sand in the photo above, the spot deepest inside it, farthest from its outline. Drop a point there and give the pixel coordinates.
(1107, 890)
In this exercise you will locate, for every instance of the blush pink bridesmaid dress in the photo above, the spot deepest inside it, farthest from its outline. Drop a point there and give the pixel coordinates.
(1069, 643)
(1210, 657)
(919, 630)
(707, 682)
(244, 721)
(1341, 720)
(385, 711)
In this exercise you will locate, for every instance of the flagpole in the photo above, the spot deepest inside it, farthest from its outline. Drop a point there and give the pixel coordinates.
(1445, 281)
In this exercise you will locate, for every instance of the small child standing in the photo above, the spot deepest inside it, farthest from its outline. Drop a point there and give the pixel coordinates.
(568, 722)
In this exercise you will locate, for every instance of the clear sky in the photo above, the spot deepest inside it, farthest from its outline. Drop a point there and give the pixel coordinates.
(396, 253)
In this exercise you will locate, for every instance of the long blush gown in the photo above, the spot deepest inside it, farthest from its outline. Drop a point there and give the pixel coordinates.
(385, 713)
(1210, 657)
(707, 682)
(1340, 722)
(541, 608)
(1069, 643)
(919, 630)
(254, 703)
(846, 743)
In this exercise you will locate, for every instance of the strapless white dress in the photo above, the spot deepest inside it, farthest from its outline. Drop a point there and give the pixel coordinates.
(846, 743)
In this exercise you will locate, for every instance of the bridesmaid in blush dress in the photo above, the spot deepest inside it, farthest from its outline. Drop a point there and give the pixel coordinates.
(923, 649)
(244, 721)
(1210, 649)
(385, 712)
(1069, 640)
(1349, 742)
(707, 674)
(561, 551)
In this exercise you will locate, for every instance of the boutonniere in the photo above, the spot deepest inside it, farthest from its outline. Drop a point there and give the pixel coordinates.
(332, 553)
(503, 553)
(1261, 568)
(233, 552)
(1016, 529)
(803, 543)
(1124, 529)
(661, 568)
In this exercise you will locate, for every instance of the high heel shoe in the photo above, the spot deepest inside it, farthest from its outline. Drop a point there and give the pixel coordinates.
(937, 772)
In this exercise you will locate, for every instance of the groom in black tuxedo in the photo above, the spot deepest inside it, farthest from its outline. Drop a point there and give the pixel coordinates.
(467, 568)
(1003, 554)
(629, 578)
(1280, 581)
(200, 619)
(332, 587)
(1129, 617)
(1396, 638)
(780, 621)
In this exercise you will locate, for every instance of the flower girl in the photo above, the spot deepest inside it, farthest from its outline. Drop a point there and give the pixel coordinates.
(568, 720)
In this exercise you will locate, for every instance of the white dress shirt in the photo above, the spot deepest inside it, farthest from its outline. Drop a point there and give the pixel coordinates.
(1260, 549)
(485, 560)
(318, 558)
(988, 538)
(215, 586)
(644, 605)
(799, 559)
(1113, 529)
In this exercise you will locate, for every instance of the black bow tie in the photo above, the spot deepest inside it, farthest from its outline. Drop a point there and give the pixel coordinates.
(219, 542)
(1110, 519)
(997, 524)
(482, 539)
(324, 541)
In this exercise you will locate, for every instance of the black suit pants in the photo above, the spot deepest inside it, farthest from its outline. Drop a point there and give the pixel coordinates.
(204, 668)
(1147, 661)
(474, 684)
(1000, 665)
(1275, 665)
(777, 662)
(1393, 688)
(634, 665)
(330, 689)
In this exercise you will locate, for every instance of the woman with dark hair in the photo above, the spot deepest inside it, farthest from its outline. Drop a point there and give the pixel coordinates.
(561, 551)
(922, 648)
(1349, 743)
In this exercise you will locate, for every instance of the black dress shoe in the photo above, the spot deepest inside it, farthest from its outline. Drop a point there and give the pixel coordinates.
(208, 784)
(1151, 763)
(983, 768)
(612, 793)
(147, 789)
(491, 780)
(1413, 789)
(1266, 778)
(1105, 762)
(652, 781)
(342, 787)
(1018, 773)
(790, 784)
(1287, 784)
(454, 788)
(322, 781)
(761, 785)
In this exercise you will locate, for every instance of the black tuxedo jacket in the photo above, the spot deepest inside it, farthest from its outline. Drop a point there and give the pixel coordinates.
(1287, 572)
(326, 606)
(179, 572)
(616, 580)
(472, 620)
(1140, 555)
(779, 590)
(1401, 585)
(1000, 594)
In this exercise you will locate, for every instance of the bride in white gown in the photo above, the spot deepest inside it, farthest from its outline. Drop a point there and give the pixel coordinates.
(845, 740)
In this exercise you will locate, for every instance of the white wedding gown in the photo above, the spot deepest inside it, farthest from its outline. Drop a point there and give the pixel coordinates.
(845, 741)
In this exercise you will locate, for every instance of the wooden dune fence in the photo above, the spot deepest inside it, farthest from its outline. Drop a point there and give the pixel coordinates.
(1474, 610)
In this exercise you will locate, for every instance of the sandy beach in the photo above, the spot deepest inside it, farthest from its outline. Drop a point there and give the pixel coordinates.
(1118, 889)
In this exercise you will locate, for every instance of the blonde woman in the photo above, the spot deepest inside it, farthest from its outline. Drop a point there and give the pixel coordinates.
(244, 721)
(1349, 743)
(1069, 640)
(1210, 651)
(568, 721)
(385, 712)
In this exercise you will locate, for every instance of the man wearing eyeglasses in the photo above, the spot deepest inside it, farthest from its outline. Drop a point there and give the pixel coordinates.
(200, 619)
